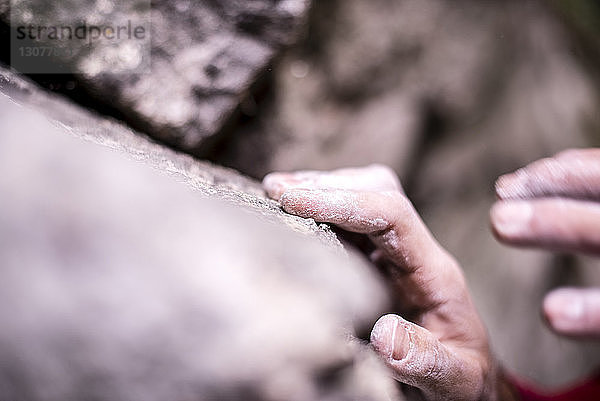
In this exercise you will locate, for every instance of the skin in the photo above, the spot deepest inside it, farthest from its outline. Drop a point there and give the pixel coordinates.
(439, 347)
(554, 204)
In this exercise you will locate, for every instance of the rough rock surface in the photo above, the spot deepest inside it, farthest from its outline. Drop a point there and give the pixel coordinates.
(208, 179)
(205, 56)
(120, 283)
(451, 95)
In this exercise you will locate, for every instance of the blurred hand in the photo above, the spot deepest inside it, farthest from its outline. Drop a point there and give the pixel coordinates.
(554, 204)
(443, 350)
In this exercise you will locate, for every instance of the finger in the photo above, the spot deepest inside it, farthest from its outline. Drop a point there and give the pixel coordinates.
(387, 216)
(574, 312)
(416, 357)
(421, 268)
(375, 177)
(570, 174)
(556, 224)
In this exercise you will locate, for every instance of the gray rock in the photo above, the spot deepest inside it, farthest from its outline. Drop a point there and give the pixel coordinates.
(208, 179)
(118, 282)
(185, 79)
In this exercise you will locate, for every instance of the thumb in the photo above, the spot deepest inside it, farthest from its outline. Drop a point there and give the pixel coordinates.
(417, 358)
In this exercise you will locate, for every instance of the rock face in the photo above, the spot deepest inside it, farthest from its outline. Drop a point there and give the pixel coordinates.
(208, 179)
(185, 79)
(120, 283)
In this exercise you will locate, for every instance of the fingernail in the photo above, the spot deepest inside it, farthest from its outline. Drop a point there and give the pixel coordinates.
(565, 310)
(511, 219)
(390, 337)
(295, 199)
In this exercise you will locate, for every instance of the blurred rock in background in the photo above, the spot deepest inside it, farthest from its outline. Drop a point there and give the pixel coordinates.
(119, 283)
(386, 80)
(205, 56)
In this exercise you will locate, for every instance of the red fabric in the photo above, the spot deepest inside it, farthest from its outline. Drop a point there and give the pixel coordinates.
(588, 390)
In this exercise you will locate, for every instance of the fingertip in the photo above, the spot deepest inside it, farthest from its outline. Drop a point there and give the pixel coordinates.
(564, 310)
(511, 220)
(390, 337)
(382, 333)
(492, 220)
(276, 184)
(290, 198)
(500, 187)
(303, 202)
(513, 185)
(325, 205)
(271, 183)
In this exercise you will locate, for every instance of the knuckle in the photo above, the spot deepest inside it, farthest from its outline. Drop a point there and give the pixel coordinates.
(384, 171)
(398, 199)
(541, 165)
(382, 168)
(569, 154)
(422, 366)
(401, 206)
